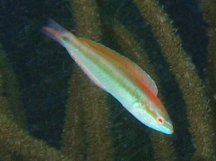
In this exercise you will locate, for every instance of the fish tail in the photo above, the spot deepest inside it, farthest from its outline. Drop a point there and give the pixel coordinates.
(54, 30)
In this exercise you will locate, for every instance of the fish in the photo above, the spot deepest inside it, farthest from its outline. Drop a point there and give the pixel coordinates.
(117, 75)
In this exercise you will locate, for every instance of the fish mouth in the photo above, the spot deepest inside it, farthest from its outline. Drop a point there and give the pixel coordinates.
(165, 129)
(168, 129)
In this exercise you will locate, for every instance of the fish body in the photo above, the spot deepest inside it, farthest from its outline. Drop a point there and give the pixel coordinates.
(117, 75)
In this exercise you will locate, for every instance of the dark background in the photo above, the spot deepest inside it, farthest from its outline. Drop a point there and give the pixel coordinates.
(43, 67)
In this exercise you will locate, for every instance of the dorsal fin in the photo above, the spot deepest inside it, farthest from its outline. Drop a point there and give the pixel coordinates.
(133, 69)
(150, 82)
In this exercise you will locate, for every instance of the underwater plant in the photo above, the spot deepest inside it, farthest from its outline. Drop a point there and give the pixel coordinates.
(51, 111)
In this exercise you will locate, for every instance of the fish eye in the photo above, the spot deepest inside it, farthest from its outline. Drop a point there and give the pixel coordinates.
(160, 120)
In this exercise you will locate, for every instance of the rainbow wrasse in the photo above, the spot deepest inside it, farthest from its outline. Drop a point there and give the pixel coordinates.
(117, 75)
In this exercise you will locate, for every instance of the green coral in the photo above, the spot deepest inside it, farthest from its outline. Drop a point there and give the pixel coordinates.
(96, 127)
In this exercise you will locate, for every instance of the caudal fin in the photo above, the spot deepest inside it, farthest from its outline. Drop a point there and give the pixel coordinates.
(54, 30)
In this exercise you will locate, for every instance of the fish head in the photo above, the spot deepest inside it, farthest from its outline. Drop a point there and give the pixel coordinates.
(153, 115)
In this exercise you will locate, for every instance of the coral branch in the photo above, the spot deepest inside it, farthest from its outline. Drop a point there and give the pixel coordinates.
(20, 142)
(92, 103)
(198, 109)
(209, 12)
(138, 54)
(74, 133)
(10, 102)
(87, 18)
(16, 143)
(10, 92)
